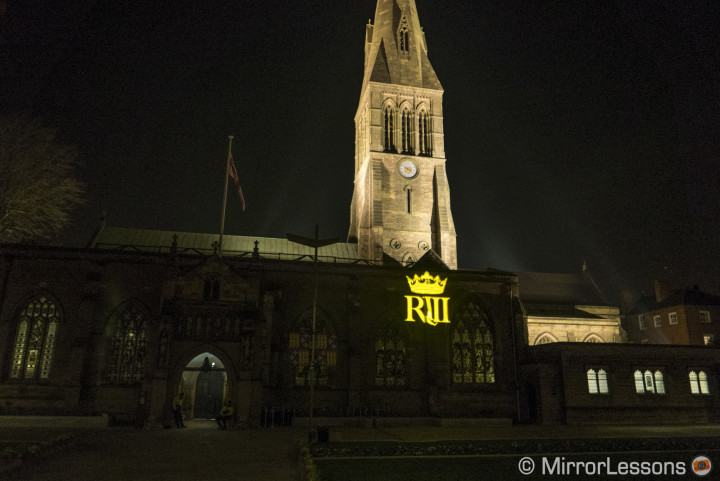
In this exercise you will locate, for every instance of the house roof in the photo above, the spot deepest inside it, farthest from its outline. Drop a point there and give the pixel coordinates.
(677, 297)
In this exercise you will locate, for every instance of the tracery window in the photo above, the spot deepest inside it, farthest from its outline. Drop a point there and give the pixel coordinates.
(390, 357)
(545, 339)
(472, 347)
(699, 382)
(300, 346)
(597, 381)
(649, 382)
(35, 339)
(406, 124)
(389, 128)
(423, 133)
(126, 364)
(593, 338)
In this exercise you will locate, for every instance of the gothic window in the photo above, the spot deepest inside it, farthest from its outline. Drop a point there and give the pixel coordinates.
(699, 382)
(300, 344)
(126, 364)
(423, 134)
(593, 338)
(211, 289)
(406, 123)
(649, 382)
(545, 339)
(597, 381)
(35, 339)
(472, 347)
(390, 357)
(389, 128)
(404, 38)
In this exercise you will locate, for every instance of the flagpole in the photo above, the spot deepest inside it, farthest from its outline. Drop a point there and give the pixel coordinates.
(227, 174)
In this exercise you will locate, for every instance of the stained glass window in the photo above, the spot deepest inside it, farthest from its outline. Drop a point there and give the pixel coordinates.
(300, 347)
(35, 340)
(126, 364)
(390, 351)
(472, 347)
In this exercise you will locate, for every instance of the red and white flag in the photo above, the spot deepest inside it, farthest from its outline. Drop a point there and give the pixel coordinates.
(233, 173)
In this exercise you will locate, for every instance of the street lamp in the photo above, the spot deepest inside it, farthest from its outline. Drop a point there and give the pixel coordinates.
(315, 243)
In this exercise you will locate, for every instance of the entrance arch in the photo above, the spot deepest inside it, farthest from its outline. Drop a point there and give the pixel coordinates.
(205, 375)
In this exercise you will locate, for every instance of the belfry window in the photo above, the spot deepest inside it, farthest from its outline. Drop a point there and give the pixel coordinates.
(423, 134)
(406, 121)
(472, 347)
(404, 39)
(390, 357)
(126, 364)
(300, 347)
(389, 130)
(35, 340)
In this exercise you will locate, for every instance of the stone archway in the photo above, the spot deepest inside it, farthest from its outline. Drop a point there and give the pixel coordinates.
(205, 387)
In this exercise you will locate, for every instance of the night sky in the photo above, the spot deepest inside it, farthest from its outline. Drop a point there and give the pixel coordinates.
(575, 131)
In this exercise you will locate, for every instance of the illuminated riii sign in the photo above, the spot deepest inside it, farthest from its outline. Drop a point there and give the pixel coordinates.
(429, 309)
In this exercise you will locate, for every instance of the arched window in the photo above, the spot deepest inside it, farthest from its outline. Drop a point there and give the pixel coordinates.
(390, 357)
(211, 289)
(389, 128)
(35, 339)
(699, 383)
(597, 381)
(300, 346)
(594, 338)
(126, 364)
(423, 134)
(545, 339)
(404, 37)
(406, 126)
(472, 347)
(649, 382)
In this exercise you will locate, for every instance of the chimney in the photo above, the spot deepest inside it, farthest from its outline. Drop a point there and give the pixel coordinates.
(662, 290)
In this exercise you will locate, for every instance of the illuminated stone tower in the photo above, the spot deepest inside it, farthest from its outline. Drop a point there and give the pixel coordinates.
(401, 202)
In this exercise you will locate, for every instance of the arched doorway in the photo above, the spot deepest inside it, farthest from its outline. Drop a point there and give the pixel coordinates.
(204, 382)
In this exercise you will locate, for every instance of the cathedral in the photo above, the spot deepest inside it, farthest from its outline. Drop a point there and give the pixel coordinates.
(381, 327)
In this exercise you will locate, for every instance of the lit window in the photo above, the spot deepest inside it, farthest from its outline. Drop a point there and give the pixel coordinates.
(126, 364)
(597, 381)
(472, 347)
(709, 339)
(35, 340)
(705, 316)
(641, 321)
(656, 321)
(698, 382)
(649, 382)
(673, 318)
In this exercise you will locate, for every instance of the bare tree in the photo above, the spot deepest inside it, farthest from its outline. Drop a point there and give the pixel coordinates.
(38, 187)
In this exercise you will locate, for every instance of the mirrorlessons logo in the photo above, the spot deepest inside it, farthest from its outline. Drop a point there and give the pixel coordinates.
(701, 466)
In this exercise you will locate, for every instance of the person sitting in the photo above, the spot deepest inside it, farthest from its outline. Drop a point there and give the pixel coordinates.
(225, 414)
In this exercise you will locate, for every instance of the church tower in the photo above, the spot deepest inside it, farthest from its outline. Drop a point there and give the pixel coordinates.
(401, 201)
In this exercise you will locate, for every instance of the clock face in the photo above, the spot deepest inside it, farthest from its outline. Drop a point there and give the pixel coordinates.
(408, 169)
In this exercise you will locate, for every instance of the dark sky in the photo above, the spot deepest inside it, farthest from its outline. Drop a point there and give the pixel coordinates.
(575, 130)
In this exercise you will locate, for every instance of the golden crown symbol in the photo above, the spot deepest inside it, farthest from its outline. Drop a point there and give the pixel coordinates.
(426, 284)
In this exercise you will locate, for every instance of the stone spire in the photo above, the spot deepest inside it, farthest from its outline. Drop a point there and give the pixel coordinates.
(395, 47)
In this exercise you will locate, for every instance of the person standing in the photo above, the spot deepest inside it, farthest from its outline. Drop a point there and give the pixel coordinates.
(225, 414)
(177, 410)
